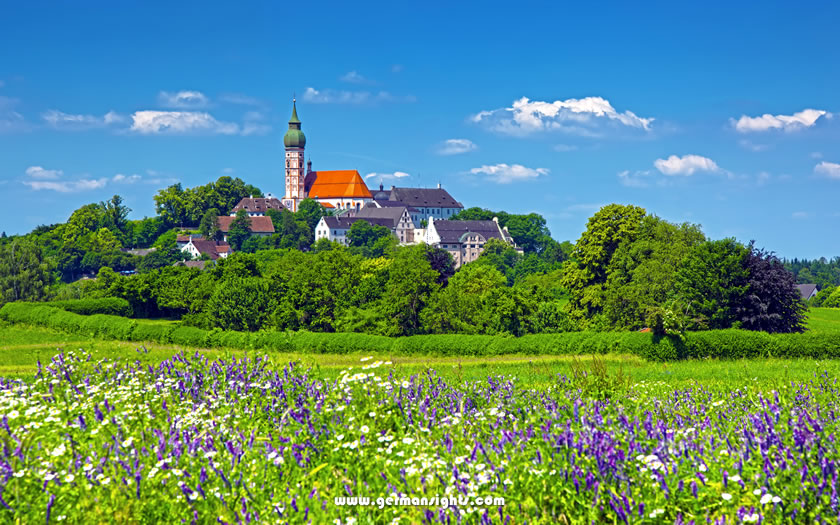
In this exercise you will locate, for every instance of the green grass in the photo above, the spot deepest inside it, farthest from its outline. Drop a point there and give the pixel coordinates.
(22, 346)
(824, 320)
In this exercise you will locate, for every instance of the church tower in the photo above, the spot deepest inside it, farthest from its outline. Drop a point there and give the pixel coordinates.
(295, 141)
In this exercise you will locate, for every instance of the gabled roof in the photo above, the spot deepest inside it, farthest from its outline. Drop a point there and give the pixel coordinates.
(390, 204)
(336, 185)
(806, 290)
(391, 213)
(212, 249)
(257, 205)
(260, 224)
(344, 223)
(452, 231)
(424, 197)
(186, 238)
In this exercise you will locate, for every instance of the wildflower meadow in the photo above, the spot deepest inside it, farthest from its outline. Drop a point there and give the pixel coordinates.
(242, 440)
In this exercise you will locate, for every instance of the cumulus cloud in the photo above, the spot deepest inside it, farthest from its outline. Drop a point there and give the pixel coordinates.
(10, 120)
(504, 173)
(183, 99)
(585, 116)
(333, 96)
(456, 147)
(394, 175)
(37, 172)
(69, 121)
(804, 119)
(685, 165)
(180, 122)
(828, 169)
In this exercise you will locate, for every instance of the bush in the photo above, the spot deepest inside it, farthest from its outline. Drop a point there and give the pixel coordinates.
(105, 305)
(157, 333)
(717, 344)
(189, 336)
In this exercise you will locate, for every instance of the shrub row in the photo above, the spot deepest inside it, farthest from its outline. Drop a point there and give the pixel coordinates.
(725, 344)
(105, 305)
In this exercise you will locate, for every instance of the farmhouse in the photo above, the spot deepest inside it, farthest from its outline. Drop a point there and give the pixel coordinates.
(196, 246)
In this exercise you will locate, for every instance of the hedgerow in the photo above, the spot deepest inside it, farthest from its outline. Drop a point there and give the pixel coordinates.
(720, 344)
(104, 305)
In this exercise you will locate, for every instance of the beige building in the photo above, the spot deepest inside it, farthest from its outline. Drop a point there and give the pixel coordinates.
(465, 240)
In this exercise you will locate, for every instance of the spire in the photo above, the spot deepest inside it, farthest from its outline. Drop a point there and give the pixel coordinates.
(294, 137)
(294, 119)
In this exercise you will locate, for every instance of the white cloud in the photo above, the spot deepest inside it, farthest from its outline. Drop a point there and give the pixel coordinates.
(180, 122)
(584, 116)
(67, 186)
(394, 175)
(456, 146)
(816, 155)
(126, 179)
(637, 179)
(504, 173)
(800, 215)
(43, 179)
(563, 148)
(183, 99)
(829, 169)
(61, 120)
(804, 119)
(333, 96)
(37, 172)
(353, 77)
(685, 165)
(396, 68)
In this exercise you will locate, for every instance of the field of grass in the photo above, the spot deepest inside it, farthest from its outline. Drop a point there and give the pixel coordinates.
(22, 346)
(824, 320)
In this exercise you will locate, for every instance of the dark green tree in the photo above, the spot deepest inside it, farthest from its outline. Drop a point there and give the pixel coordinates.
(240, 230)
(24, 273)
(209, 225)
(712, 281)
(772, 302)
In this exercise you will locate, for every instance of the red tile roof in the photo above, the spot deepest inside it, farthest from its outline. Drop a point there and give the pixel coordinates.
(258, 224)
(338, 184)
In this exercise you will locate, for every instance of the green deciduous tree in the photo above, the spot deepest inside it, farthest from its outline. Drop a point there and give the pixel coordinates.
(24, 273)
(411, 282)
(209, 225)
(586, 272)
(241, 304)
(712, 281)
(240, 230)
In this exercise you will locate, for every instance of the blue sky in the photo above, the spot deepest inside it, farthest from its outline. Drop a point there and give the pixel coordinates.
(727, 116)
